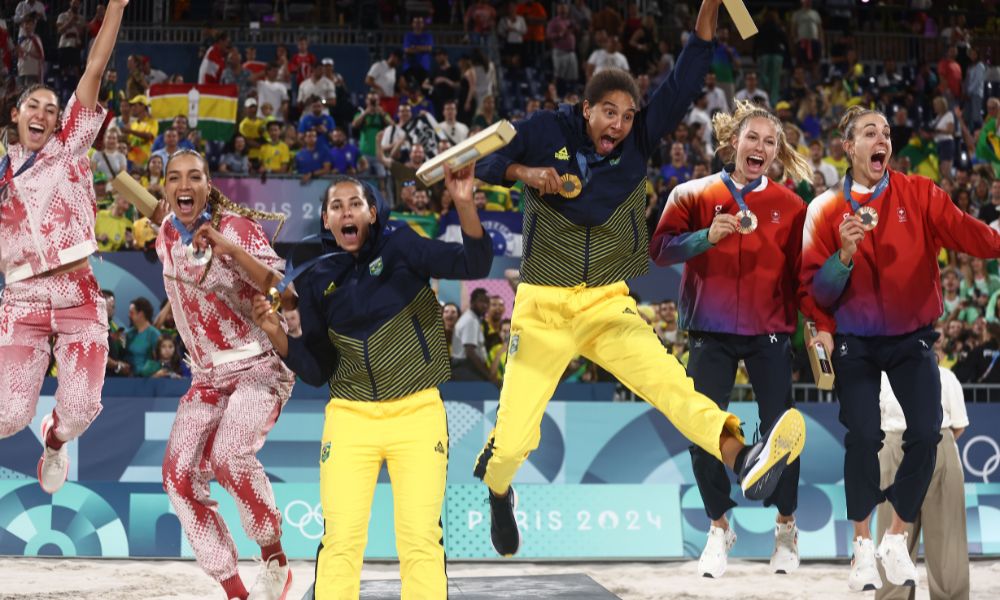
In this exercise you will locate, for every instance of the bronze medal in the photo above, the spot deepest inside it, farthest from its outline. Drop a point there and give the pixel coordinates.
(868, 216)
(747, 221)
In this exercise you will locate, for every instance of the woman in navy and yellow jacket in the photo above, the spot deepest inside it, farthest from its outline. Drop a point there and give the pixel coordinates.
(372, 330)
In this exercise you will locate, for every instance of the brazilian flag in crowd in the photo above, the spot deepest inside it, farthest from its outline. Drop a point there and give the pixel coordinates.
(425, 225)
(210, 108)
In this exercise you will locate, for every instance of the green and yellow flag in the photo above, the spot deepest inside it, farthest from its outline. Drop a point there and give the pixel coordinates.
(210, 108)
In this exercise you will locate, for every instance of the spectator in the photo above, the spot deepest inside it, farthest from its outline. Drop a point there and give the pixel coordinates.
(71, 27)
(677, 171)
(562, 32)
(725, 63)
(944, 134)
(837, 157)
(30, 54)
(486, 115)
(665, 324)
(33, 9)
(606, 57)
(171, 140)
(975, 85)
(367, 124)
(275, 155)
(581, 15)
(152, 176)
(484, 80)
(141, 131)
(405, 172)
(991, 212)
(345, 157)
(641, 45)
(956, 306)
(102, 195)
(417, 48)
(94, 25)
(468, 350)
(303, 64)
(235, 74)
(236, 161)
(980, 365)
(608, 20)
(770, 48)
(479, 22)
(252, 128)
(950, 74)
(271, 90)
(491, 322)
(117, 365)
(153, 76)
(181, 126)
(535, 16)
(381, 79)
(446, 80)
(699, 117)
(449, 315)
(821, 166)
(498, 353)
(450, 129)
(214, 61)
(169, 359)
(109, 161)
(979, 284)
(317, 85)
(141, 338)
(113, 229)
(312, 160)
(394, 138)
(807, 34)
(942, 516)
(256, 67)
(136, 84)
(752, 93)
(419, 105)
(716, 98)
(284, 74)
(316, 120)
(511, 30)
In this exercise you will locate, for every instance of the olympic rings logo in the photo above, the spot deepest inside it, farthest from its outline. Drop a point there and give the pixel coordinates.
(307, 519)
(992, 463)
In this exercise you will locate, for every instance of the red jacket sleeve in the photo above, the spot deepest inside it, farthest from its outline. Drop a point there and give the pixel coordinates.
(958, 230)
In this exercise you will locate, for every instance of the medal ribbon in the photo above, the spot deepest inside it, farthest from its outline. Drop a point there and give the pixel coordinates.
(738, 194)
(5, 167)
(188, 235)
(879, 188)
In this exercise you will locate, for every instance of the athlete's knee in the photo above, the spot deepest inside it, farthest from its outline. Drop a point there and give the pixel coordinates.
(178, 479)
(14, 418)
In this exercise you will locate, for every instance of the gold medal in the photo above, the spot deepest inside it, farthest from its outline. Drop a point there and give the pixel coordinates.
(198, 257)
(570, 186)
(746, 221)
(274, 297)
(868, 216)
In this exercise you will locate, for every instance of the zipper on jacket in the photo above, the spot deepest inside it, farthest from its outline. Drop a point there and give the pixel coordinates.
(531, 235)
(586, 255)
(420, 338)
(371, 375)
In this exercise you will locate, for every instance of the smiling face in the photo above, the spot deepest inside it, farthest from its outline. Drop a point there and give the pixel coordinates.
(348, 215)
(36, 117)
(756, 146)
(610, 120)
(869, 148)
(187, 186)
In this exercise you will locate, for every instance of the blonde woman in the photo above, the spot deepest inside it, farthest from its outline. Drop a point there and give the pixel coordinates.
(740, 237)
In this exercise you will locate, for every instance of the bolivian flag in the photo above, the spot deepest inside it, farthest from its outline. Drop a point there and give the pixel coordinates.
(210, 108)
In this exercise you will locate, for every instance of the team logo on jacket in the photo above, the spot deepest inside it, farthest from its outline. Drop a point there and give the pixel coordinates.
(324, 453)
(562, 154)
(901, 213)
(512, 349)
(375, 267)
(843, 349)
(775, 216)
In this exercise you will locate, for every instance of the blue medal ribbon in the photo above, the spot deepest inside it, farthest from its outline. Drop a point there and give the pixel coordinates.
(292, 272)
(738, 194)
(188, 235)
(879, 188)
(5, 166)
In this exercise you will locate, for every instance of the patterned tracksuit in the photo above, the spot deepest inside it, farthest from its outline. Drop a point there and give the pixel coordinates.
(238, 389)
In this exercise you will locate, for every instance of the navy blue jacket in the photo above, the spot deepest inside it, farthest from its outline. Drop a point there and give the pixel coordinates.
(599, 237)
(371, 326)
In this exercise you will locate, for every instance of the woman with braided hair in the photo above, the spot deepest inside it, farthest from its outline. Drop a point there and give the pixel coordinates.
(739, 301)
(214, 262)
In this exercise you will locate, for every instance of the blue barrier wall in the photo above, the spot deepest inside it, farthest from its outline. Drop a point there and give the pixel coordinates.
(609, 480)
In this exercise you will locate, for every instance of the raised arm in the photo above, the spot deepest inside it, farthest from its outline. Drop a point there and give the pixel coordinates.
(100, 52)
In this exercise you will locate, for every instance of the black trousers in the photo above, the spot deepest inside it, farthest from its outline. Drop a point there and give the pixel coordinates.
(911, 365)
(712, 363)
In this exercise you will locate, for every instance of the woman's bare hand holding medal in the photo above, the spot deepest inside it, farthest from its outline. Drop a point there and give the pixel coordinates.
(723, 225)
(852, 231)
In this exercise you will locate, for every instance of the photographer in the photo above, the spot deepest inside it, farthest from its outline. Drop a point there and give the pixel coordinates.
(369, 121)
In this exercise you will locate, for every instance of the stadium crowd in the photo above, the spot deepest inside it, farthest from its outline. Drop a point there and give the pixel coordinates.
(298, 117)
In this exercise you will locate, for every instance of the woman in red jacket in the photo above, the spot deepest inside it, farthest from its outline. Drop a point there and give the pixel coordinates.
(871, 280)
(740, 237)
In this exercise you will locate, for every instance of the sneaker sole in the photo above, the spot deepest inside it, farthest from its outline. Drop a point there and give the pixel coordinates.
(784, 444)
(46, 423)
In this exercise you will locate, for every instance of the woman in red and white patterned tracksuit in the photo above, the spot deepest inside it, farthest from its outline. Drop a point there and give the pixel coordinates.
(239, 384)
(47, 214)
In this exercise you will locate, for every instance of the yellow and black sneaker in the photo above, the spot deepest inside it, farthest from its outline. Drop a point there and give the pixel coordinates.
(503, 524)
(766, 460)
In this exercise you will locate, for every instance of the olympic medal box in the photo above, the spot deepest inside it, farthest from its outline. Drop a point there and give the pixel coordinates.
(482, 144)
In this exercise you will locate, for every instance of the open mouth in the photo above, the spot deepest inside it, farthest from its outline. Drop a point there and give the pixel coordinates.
(755, 162)
(607, 144)
(36, 132)
(878, 161)
(185, 205)
(350, 233)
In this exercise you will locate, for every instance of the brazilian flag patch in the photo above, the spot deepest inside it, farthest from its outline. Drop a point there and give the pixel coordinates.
(324, 453)
(375, 267)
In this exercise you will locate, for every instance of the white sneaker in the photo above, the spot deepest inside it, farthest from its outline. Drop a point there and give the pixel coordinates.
(864, 572)
(786, 548)
(53, 466)
(894, 553)
(715, 556)
(273, 582)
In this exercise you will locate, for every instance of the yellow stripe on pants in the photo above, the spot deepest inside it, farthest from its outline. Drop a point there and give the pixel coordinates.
(550, 326)
(411, 435)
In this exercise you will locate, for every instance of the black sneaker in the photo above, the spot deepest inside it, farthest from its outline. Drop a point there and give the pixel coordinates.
(767, 459)
(503, 524)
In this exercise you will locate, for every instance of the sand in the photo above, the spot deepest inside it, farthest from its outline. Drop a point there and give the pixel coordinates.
(86, 579)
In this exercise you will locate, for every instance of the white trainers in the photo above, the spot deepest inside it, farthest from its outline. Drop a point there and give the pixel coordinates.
(715, 556)
(273, 581)
(786, 548)
(53, 466)
(894, 553)
(864, 572)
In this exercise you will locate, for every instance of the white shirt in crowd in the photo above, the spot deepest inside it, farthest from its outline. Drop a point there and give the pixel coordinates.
(271, 92)
(746, 95)
(716, 100)
(384, 76)
(514, 29)
(952, 404)
(73, 36)
(455, 132)
(940, 127)
(602, 59)
(324, 88)
(468, 331)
